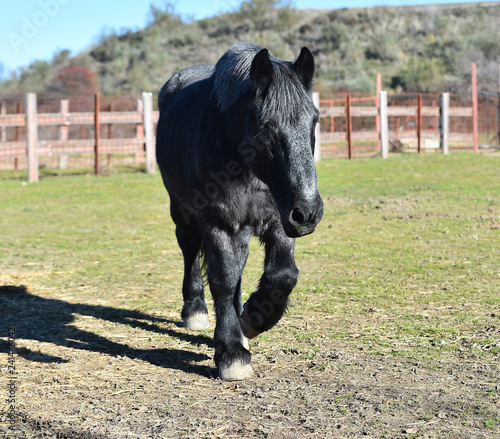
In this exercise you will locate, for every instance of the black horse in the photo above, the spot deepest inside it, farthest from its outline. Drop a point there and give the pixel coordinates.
(235, 147)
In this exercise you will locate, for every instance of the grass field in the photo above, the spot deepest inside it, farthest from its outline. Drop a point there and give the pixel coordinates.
(394, 329)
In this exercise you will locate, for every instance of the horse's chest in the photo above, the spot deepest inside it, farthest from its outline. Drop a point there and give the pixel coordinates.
(255, 209)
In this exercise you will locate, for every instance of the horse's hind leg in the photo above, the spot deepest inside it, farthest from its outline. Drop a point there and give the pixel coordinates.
(194, 311)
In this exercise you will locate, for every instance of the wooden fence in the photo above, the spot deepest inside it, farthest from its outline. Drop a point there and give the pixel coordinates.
(144, 141)
(377, 124)
(386, 123)
(379, 132)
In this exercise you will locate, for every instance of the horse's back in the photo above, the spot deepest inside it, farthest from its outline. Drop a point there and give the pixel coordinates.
(183, 103)
(181, 80)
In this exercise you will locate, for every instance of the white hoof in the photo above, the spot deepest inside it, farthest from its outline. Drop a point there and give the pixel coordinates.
(244, 342)
(196, 322)
(236, 372)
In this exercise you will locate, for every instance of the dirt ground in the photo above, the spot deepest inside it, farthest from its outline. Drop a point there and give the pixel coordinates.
(317, 388)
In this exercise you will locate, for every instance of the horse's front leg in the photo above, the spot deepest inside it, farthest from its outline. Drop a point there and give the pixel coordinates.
(267, 305)
(226, 256)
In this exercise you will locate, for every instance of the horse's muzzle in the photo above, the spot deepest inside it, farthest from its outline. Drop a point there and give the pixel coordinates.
(303, 217)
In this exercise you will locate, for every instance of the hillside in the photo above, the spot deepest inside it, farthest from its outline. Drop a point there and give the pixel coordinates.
(416, 48)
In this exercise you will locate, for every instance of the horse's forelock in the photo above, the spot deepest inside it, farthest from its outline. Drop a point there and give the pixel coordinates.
(232, 74)
(286, 97)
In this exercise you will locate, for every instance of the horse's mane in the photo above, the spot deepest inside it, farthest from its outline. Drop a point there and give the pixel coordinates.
(285, 97)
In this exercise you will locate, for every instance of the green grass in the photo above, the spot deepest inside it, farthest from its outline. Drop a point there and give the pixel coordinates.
(406, 255)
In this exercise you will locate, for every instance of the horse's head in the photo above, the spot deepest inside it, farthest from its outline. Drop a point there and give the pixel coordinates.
(279, 149)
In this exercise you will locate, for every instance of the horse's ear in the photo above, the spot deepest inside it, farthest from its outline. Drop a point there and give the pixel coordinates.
(261, 72)
(304, 67)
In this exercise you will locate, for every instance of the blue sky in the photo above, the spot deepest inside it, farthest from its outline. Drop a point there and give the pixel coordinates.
(35, 29)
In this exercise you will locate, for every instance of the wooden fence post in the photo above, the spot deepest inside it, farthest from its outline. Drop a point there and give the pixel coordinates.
(110, 125)
(147, 100)
(3, 110)
(19, 110)
(474, 108)
(97, 128)
(348, 124)
(317, 131)
(377, 105)
(444, 124)
(110, 134)
(63, 133)
(32, 137)
(419, 123)
(384, 125)
(332, 123)
(498, 108)
(139, 132)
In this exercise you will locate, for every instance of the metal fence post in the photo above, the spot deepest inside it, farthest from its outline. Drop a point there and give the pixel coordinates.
(419, 122)
(444, 124)
(32, 137)
(348, 125)
(97, 132)
(147, 99)
(384, 125)
(474, 109)
(317, 131)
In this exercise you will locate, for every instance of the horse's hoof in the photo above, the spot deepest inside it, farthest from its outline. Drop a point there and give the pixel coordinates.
(237, 371)
(244, 342)
(248, 331)
(196, 322)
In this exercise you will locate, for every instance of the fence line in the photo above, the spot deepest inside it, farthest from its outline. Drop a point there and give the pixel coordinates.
(383, 122)
(415, 122)
(33, 148)
(407, 125)
(380, 133)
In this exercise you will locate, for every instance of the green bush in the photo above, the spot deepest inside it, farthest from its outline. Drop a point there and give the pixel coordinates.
(420, 75)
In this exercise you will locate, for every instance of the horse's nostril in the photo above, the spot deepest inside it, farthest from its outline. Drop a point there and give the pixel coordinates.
(298, 216)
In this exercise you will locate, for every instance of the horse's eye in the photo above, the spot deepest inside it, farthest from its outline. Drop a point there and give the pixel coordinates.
(273, 137)
(270, 142)
(313, 139)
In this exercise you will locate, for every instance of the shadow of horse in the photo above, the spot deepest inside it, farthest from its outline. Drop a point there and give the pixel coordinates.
(50, 320)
